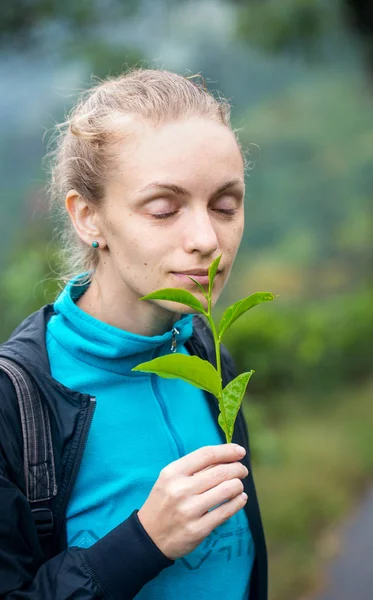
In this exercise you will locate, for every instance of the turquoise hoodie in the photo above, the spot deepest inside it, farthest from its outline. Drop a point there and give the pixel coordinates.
(141, 424)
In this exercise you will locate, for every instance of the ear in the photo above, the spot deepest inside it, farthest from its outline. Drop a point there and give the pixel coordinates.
(85, 219)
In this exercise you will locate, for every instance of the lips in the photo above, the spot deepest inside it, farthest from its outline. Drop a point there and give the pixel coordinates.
(200, 275)
(191, 272)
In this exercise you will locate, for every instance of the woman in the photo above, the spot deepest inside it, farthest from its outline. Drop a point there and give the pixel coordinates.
(151, 503)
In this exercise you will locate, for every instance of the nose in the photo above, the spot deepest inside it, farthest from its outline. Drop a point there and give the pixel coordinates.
(200, 235)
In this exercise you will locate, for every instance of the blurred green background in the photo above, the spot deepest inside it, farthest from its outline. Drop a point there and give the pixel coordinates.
(299, 76)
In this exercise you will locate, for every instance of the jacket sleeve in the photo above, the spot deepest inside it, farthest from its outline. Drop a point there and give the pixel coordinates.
(116, 567)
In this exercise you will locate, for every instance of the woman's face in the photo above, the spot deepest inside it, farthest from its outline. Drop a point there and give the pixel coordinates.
(174, 206)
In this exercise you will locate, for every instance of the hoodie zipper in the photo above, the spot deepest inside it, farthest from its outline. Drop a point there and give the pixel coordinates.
(175, 333)
(78, 459)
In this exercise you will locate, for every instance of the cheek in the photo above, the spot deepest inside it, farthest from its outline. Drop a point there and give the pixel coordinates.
(233, 239)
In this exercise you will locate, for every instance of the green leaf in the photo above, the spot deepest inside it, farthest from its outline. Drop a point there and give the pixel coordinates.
(199, 285)
(192, 369)
(231, 401)
(233, 312)
(176, 295)
(213, 269)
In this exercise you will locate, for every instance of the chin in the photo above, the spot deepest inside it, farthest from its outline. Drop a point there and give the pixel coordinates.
(186, 310)
(182, 309)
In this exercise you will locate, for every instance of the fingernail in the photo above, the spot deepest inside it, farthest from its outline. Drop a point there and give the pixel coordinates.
(241, 451)
(244, 496)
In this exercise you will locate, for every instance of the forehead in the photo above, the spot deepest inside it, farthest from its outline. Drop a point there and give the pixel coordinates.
(185, 151)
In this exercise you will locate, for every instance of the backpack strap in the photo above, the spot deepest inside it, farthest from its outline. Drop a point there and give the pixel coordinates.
(38, 460)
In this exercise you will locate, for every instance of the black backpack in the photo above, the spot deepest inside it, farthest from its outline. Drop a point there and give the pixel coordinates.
(38, 460)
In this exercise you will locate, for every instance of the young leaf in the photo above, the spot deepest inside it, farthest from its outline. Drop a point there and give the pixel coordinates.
(199, 285)
(176, 295)
(192, 369)
(231, 400)
(213, 269)
(233, 312)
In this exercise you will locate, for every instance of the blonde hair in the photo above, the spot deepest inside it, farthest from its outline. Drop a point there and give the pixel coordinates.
(84, 145)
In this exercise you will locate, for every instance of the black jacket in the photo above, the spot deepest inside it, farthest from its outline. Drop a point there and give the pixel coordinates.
(120, 564)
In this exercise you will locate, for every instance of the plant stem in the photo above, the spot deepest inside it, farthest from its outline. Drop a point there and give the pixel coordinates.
(218, 365)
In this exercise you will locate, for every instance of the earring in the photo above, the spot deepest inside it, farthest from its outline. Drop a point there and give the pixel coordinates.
(95, 244)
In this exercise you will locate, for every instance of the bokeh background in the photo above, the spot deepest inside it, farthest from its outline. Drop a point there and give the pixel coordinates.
(299, 75)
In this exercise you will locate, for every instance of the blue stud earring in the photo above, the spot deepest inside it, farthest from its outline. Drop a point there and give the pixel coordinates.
(95, 244)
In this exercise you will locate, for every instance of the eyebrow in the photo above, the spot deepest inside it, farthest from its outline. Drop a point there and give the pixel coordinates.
(176, 189)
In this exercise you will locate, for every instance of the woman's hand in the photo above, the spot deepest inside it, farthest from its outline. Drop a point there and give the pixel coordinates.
(177, 515)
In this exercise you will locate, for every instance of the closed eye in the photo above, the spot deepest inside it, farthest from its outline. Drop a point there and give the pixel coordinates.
(226, 211)
(229, 212)
(164, 215)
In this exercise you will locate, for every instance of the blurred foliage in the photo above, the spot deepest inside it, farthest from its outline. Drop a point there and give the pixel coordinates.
(312, 466)
(29, 279)
(289, 25)
(286, 26)
(310, 193)
(22, 21)
(76, 30)
(103, 60)
(304, 26)
(359, 14)
(312, 347)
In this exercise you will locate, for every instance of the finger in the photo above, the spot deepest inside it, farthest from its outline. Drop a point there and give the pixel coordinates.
(221, 493)
(222, 513)
(204, 457)
(210, 478)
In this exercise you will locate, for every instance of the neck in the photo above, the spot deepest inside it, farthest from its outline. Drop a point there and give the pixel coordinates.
(120, 308)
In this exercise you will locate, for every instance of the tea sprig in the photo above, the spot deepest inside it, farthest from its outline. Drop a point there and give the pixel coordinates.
(201, 373)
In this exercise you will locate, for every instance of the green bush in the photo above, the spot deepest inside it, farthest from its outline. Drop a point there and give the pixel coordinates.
(320, 345)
